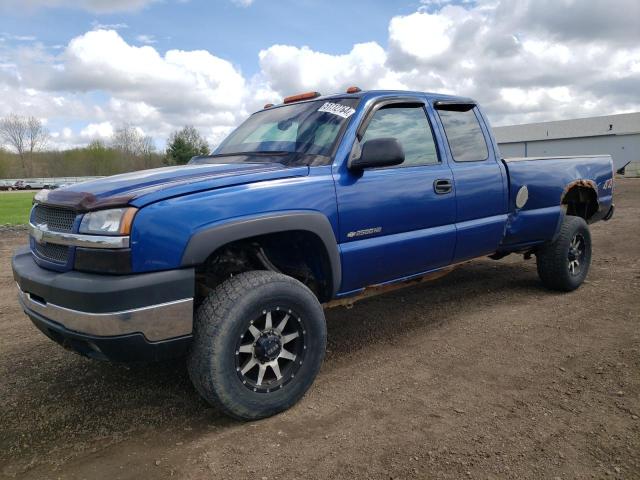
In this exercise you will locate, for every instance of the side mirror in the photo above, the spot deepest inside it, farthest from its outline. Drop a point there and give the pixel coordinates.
(379, 152)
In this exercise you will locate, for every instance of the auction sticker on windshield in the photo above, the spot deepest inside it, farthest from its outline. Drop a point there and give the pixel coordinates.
(343, 111)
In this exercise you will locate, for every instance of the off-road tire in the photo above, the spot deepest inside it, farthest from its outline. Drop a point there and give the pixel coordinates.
(224, 316)
(553, 260)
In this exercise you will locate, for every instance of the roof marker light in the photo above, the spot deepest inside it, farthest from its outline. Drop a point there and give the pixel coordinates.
(268, 105)
(353, 89)
(301, 96)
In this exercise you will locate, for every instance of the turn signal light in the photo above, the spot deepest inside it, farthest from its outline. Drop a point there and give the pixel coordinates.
(301, 96)
(353, 89)
(127, 220)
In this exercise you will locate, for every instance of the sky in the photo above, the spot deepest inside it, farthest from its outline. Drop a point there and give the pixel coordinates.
(86, 67)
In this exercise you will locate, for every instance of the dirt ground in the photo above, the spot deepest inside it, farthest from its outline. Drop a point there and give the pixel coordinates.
(481, 374)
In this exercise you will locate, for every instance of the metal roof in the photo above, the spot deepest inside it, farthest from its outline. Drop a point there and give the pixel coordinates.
(620, 124)
(368, 94)
(403, 93)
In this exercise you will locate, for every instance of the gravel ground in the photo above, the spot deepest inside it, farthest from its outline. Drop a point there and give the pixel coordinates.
(481, 374)
(6, 228)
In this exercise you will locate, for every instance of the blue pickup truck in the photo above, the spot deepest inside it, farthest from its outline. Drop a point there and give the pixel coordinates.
(318, 201)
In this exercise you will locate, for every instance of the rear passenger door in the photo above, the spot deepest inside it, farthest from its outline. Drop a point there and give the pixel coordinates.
(479, 180)
(393, 221)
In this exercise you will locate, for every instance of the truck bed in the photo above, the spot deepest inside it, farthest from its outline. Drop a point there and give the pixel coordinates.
(547, 181)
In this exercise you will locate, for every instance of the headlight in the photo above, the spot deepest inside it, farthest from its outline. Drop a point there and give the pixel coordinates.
(116, 221)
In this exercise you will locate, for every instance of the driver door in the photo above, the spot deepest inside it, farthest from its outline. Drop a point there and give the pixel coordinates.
(397, 221)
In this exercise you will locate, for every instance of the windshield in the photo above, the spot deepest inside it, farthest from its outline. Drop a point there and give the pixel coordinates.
(296, 133)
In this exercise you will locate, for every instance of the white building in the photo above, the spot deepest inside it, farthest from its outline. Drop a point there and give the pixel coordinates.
(616, 135)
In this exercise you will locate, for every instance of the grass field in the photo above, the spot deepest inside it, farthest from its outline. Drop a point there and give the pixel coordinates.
(14, 207)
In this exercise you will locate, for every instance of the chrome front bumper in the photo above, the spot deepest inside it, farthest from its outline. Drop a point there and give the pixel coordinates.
(155, 306)
(155, 322)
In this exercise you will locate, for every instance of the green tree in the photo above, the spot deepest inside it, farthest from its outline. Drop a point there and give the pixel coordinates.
(184, 144)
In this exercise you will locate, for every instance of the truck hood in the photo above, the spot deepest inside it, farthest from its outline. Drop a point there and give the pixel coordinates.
(147, 186)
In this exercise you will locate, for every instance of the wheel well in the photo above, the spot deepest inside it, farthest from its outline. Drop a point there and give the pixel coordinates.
(298, 253)
(581, 200)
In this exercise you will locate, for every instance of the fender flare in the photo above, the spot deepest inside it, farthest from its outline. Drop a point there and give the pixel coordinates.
(206, 241)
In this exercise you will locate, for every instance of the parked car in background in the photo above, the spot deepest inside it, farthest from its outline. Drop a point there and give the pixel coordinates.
(22, 185)
(50, 183)
(25, 184)
(33, 183)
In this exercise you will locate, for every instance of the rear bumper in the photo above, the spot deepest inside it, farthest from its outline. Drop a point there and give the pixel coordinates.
(122, 318)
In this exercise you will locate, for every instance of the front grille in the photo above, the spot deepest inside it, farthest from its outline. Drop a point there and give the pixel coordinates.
(55, 218)
(52, 252)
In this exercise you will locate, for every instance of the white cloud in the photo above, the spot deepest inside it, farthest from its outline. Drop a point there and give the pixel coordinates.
(95, 25)
(520, 63)
(102, 130)
(146, 39)
(94, 6)
(289, 69)
(521, 67)
(22, 38)
(176, 82)
(157, 92)
(243, 3)
(420, 35)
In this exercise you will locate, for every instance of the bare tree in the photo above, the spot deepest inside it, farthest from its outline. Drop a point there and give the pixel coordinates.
(124, 139)
(25, 135)
(147, 146)
(13, 132)
(130, 141)
(37, 134)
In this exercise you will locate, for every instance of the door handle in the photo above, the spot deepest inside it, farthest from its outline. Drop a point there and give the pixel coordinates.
(442, 186)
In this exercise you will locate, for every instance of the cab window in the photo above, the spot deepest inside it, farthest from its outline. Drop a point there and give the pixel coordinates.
(464, 135)
(410, 126)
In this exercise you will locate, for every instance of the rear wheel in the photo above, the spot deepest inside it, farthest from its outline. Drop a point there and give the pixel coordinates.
(564, 264)
(259, 341)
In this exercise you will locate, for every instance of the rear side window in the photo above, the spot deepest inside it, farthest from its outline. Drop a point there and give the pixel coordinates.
(410, 126)
(464, 135)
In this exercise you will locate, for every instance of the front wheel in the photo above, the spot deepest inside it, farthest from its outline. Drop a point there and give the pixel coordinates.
(259, 341)
(564, 263)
